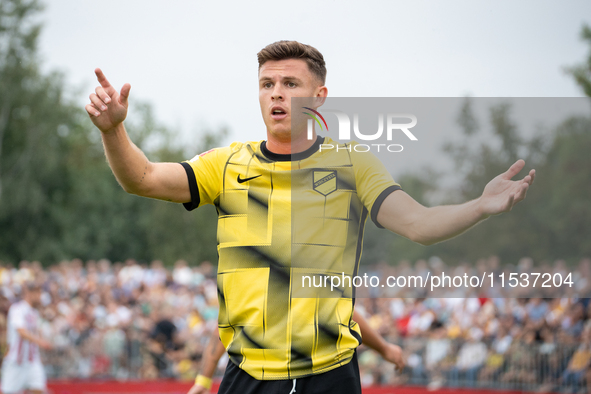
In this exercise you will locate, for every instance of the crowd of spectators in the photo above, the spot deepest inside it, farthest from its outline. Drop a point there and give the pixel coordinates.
(138, 321)
(123, 320)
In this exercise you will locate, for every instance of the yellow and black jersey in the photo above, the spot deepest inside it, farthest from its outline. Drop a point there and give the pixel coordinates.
(282, 217)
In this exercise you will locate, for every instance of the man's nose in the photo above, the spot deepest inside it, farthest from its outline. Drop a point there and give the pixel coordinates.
(277, 93)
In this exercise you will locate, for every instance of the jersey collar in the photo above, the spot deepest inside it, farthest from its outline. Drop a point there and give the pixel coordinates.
(289, 157)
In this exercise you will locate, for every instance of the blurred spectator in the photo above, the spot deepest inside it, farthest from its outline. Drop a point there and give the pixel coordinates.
(521, 360)
(496, 358)
(470, 359)
(114, 346)
(574, 374)
(437, 350)
(182, 274)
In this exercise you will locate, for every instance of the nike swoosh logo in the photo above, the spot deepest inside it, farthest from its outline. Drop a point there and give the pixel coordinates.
(242, 180)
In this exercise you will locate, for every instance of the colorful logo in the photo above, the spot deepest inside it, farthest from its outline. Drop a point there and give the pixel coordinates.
(315, 118)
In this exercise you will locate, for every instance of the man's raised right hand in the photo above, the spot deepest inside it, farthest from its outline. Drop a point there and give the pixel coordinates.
(107, 108)
(134, 172)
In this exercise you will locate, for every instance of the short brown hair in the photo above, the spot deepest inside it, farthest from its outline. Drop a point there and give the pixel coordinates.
(295, 50)
(32, 286)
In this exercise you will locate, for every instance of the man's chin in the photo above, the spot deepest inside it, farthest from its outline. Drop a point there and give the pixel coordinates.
(280, 133)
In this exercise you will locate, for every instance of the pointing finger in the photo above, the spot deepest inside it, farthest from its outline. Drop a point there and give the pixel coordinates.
(101, 78)
(514, 169)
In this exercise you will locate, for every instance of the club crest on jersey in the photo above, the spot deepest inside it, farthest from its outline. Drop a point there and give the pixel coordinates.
(325, 182)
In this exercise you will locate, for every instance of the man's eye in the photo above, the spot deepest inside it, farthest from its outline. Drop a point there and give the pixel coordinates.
(291, 84)
(267, 85)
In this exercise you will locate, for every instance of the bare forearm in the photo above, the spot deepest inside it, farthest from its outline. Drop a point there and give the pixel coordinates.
(128, 163)
(443, 222)
(29, 336)
(369, 336)
(401, 214)
(212, 354)
(372, 339)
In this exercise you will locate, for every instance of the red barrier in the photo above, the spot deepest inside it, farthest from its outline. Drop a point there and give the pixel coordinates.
(115, 387)
(169, 387)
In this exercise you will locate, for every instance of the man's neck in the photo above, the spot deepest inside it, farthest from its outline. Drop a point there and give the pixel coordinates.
(289, 147)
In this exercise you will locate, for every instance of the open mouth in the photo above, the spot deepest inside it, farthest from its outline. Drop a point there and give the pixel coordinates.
(278, 113)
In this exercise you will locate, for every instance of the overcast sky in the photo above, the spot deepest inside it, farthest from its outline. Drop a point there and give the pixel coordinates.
(196, 61)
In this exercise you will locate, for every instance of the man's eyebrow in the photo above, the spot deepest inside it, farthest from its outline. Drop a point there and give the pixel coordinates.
(283, 78)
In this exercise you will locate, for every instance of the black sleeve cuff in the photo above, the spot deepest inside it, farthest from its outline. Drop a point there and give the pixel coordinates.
(378, 203)
(193, 188)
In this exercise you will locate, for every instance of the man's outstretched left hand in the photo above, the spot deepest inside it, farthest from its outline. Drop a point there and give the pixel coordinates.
(502, 193)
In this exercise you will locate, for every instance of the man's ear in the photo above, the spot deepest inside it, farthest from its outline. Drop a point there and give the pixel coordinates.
(320, 97)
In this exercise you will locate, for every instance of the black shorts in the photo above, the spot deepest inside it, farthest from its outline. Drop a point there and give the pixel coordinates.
(342, 380)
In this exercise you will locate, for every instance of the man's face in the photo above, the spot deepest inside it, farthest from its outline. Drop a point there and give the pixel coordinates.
(34, 297)
(279, 81)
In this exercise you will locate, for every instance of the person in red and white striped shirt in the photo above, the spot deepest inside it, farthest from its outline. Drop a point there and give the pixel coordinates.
(22, 368)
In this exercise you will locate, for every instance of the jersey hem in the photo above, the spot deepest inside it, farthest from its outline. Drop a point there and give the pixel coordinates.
(303, 375)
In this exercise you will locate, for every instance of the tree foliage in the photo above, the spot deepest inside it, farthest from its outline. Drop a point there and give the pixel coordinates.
(58, 197)
(553, 221)
(582, 72)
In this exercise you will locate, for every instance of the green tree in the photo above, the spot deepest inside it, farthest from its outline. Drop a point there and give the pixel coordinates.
(582, 72)
(32, 110)
(58, 197)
